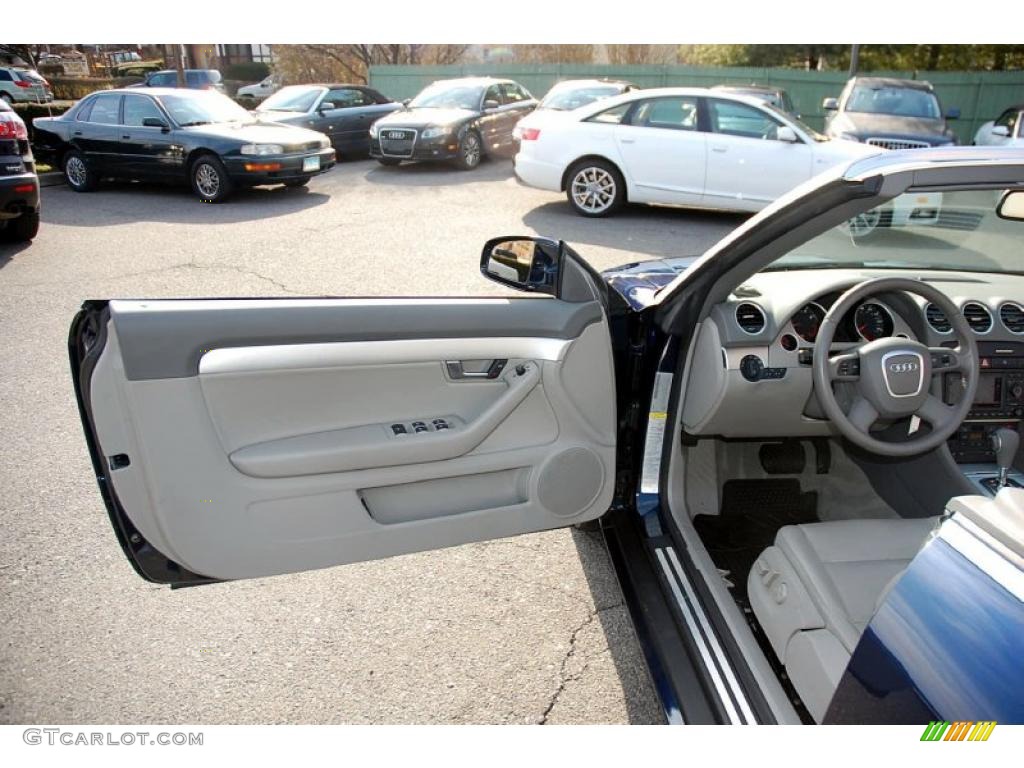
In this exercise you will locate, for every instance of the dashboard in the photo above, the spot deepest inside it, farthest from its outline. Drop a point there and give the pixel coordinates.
(750, 368)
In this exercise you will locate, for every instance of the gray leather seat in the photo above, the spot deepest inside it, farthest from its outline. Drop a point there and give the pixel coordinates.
(817, 588)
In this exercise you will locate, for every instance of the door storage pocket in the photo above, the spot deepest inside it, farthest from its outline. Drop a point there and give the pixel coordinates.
(446, 496)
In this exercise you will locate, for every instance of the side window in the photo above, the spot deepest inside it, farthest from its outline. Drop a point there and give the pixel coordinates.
(138, 108)
(347, 97)
(5, 74)
(164, 79)
(494, 94)
(677, 113)
(82, 115)
(515, 93)
(613, 116)
(735, 119)
(106, 109)
(1009, 120)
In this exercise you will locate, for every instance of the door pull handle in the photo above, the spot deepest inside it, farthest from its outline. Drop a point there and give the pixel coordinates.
(492, 369)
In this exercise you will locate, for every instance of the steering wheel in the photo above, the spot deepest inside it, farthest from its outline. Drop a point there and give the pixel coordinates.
(893, 376)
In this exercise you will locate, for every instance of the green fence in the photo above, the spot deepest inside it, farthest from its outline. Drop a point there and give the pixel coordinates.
(981, 96)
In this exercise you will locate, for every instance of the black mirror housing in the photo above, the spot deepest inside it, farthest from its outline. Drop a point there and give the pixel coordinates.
(953, 113)
(532, 264)
(154, 122)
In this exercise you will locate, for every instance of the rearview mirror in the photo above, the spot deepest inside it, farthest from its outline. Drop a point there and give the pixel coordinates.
(154, 122)
(785, 133)
(1011, 205)
(491, 104)
(953, 113)
(1000, 130)
(326, 106)
(830, 104)
(526, 263)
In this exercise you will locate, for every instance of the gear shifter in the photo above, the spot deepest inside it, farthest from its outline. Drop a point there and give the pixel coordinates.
(1005, 442)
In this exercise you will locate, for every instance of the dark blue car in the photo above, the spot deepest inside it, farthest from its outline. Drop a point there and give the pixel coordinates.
(801, 446)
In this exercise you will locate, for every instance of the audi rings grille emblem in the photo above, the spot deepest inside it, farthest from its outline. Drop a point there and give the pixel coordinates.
(903, 367)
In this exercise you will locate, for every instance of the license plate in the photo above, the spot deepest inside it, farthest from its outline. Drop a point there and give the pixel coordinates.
(311, 163)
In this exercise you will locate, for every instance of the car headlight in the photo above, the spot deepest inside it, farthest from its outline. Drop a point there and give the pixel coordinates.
(324, 142)
(262, 149)
(373, 130)
(436, 132)
(849, 136)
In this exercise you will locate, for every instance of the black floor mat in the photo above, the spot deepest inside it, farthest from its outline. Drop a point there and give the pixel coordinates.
(752, 513)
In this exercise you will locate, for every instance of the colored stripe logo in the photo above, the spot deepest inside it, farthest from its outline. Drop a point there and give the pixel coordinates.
(960, 730)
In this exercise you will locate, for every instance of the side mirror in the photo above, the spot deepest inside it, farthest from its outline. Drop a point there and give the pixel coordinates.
(1000, 130)
(405, 102)
(830, 104)
(526, 263)
(327, 106)
(953, 113)
(787, 134)
(155, 122)
(1011, 206)
(490, 104)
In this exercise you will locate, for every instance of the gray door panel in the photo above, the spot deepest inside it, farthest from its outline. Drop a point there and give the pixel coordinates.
(259, 433)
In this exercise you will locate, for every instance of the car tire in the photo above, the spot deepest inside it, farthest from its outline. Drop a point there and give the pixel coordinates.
(23, 229)
(77, 173)
(595, 188)
(390, 162)
(7, 97)
(210, 180)
(293, 183)
(471, 151)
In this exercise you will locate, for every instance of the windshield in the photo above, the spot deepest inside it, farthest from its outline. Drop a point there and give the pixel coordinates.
(294, 98)
(447, 96)
(576, 97)
(790, 117)
(918, 231)
(893, 100)
(204, 107)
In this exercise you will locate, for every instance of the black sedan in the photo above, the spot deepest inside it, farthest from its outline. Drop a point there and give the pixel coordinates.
(165, 134)
(19, 185)
(461, 121)
(343, 112)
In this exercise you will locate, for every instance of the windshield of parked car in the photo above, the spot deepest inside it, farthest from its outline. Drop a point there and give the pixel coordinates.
(917, 231)
(574, 97)
(893, 100)
(203, 108)
(447, 96)
(790, 117)
(294, 98)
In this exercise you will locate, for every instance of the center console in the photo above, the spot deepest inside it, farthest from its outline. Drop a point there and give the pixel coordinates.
(998, 403)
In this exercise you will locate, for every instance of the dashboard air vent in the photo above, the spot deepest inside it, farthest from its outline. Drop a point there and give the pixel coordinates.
(937, 319)
(1012, 315)
(978, 317)
(750, 318)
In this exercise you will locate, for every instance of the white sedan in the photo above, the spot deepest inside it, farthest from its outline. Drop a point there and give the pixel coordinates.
(1007, 130)
(676, 146)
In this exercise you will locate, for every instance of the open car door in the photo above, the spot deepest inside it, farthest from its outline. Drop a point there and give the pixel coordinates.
(253, 437)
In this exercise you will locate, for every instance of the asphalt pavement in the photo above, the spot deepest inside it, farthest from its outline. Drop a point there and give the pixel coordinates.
(523, 630)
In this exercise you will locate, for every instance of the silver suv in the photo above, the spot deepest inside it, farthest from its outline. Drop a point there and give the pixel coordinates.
(18, 84)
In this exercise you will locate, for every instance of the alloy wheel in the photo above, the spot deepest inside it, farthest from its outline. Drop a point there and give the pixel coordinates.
(207, 180)
(471, 150)
(864, 223)
(593, 190)
(75, 170)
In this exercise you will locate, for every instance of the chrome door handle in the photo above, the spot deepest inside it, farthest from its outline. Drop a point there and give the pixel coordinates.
(719, 149)
(484, 369)
(628, 141)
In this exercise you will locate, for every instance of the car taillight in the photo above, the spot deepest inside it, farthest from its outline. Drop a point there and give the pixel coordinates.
(23, 83)
(529, 134)
(12, 128)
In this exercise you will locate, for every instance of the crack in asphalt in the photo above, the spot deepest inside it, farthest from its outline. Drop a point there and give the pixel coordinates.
(563, 678)
(171, 268)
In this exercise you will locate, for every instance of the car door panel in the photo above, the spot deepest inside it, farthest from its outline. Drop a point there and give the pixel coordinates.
(254, 438)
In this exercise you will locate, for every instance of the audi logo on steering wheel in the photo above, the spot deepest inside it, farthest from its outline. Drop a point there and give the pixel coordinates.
(903, 367)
